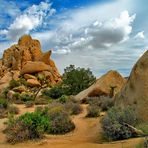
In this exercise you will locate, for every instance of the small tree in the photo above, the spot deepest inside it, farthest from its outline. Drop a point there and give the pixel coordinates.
(77, 79)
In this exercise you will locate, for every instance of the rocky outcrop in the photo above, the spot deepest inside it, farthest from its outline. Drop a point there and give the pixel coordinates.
(33, 83)
(26, 57)
(108, 84)
(35, 67)
(28, 76)
(135, 92)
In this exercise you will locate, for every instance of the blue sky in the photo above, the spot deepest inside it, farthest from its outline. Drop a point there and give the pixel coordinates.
(99, 34)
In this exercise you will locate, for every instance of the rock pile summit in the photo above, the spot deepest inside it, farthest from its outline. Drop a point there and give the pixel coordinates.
(26, 57)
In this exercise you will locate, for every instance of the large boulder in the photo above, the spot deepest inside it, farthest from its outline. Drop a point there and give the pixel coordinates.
(135, 92)
(34, 67)
(33, 83)
(103, 86)
(28, 76)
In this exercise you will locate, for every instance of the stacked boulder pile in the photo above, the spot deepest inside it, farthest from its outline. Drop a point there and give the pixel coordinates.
(27, 60)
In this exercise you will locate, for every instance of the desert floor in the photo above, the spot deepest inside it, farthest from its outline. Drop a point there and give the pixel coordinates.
(87, 134)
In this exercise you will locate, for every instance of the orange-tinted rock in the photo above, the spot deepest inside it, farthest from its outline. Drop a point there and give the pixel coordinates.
(4, 82)
(28, 76)
(135, 92)
(34, 67)
(20, 89)
(27, 57)
(33, 83)
(103, 85)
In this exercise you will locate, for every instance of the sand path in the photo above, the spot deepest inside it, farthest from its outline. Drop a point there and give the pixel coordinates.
(87, 134)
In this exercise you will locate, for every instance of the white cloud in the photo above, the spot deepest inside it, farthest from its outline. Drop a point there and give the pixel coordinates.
(62, 51)
(140, 35)
(29, 20)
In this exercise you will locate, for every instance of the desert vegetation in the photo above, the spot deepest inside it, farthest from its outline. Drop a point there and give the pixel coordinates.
(50, 120)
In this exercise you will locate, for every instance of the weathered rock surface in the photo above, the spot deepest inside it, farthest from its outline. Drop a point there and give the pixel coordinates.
(10, 94)
(28, 76)
(26, 57)
(4, 81)
(135, 92)
(35, 67)
(103, 85)
(33, 83)
(20, 89)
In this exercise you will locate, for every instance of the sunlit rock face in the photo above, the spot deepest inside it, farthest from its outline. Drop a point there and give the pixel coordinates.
(135, 92)
(27, 57)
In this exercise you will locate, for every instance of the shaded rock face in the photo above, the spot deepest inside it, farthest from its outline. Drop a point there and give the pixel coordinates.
(103, 86)
(135, 92)
(27, 57)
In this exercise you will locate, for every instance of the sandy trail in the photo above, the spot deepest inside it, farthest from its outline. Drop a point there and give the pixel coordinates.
(87, 134)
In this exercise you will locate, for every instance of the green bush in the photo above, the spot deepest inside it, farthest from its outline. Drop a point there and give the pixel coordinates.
(14, 83)
(27, 127)
(73, 108)
(93, 111)
(143, 126)
(113, 123)
(106, 103)
(26, 97)
(77, 79)
(29, 104)
(55, 92)
(60, 121)
(103, 102)
(3, 104)
(13, 109)
(34, 125)
(63, 99)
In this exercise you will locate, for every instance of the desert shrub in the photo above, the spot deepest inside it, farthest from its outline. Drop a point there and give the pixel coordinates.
(103, 102)
(6, 108)
(106, 103)
(143, 126)
(26, 97)
(60, 121)
(5, 92)
(73, 108)
(77, 79)
(3, 103)
(93, 101)
(14, 83)
(29, 104)
(34, 125)
(146, 143)
(63, 99)
(22, 81)
(13, 109)
(16, 96)
(55, 92)
(41, 100)
(113, 123)
(93, 111)
(3, 113)
(27, 127)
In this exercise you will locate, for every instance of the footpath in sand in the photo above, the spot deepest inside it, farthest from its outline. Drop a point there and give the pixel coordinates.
(87, 134)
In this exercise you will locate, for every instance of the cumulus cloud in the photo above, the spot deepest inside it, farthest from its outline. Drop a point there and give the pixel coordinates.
(140, 35)
(29, 20)
(108, 33)
(96, 34)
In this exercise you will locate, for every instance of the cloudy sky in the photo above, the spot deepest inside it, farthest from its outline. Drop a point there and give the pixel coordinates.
(96, 34)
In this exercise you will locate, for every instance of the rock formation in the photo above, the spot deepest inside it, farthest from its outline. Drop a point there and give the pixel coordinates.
(26, 57)
(135, 92)
(103, 86)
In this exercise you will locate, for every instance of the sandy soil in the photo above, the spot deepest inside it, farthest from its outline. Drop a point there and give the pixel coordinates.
(86, 135)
